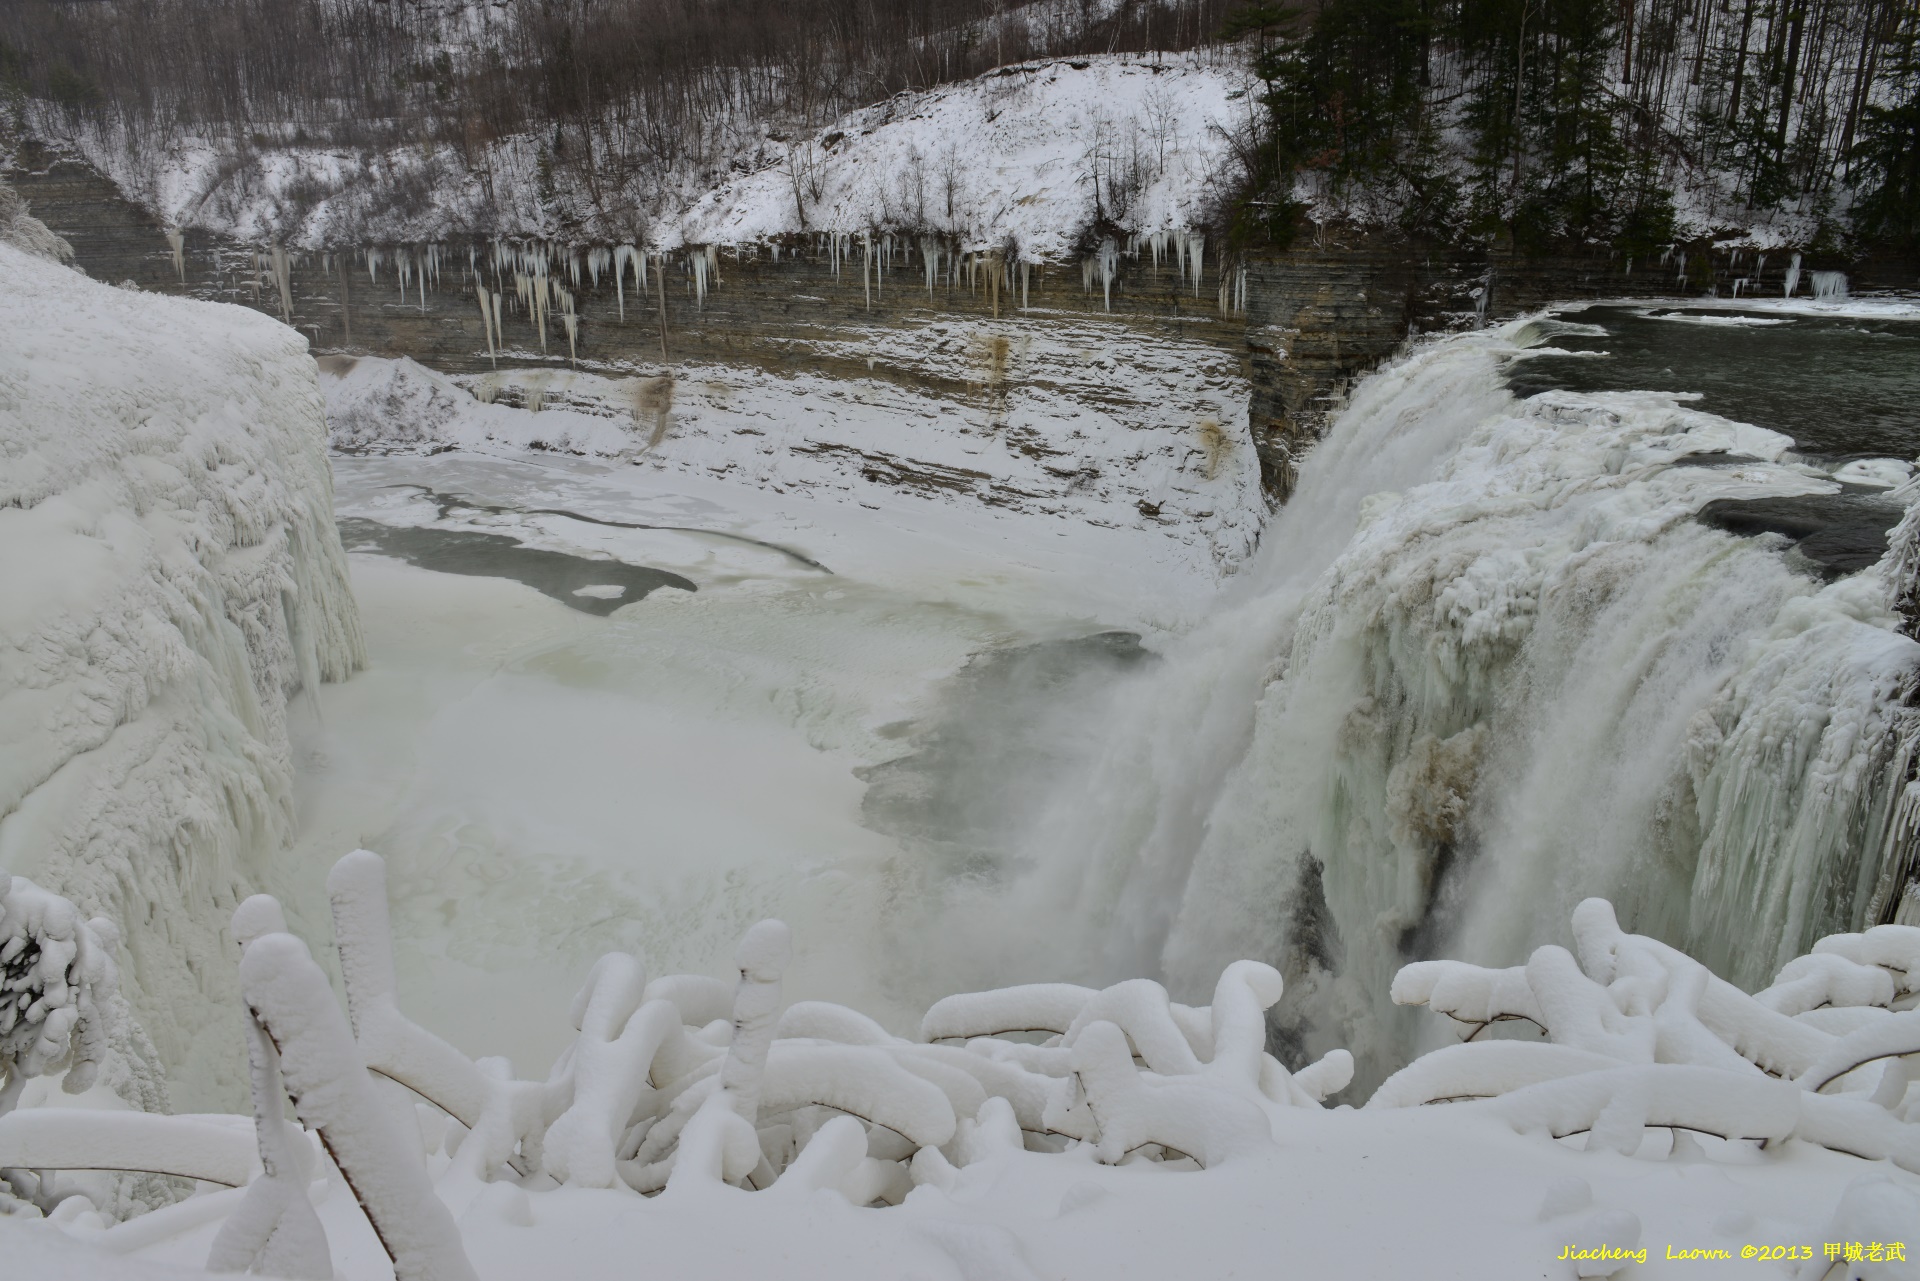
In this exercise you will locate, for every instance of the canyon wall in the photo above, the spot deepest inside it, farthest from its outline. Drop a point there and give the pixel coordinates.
(1299, 325)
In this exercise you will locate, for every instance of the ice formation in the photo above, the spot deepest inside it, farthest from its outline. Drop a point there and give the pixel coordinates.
(173, 580)
(59, 990)
(1485, 665)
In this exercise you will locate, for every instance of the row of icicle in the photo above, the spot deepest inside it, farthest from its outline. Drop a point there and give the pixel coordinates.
(534, 269)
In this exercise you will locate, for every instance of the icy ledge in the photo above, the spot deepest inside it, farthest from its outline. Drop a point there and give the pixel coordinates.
(716, 1130)
(169, 578)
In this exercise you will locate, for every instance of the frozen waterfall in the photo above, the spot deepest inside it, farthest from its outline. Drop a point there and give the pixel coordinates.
(174, 580)
(1485, 665)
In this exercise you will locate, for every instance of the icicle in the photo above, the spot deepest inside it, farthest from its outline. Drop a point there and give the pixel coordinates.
(486, 323)
(1196, 251)
(866, 266)
(1026, 271)
(620, 255)
(598, 259)
(1680, 276)
(373, 265)
(700, 264)
(1109, 262)
(499, 333)
(283, 279)
(1829, 286)
(1793, 276)
(572, 324)
(177, 241)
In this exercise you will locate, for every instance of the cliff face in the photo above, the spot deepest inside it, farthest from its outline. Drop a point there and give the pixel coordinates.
(1311, 319)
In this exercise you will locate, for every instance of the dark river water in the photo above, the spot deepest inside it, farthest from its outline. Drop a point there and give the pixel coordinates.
(1843, 387)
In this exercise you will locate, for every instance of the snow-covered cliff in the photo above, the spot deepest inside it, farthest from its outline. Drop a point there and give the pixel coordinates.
(170, 578)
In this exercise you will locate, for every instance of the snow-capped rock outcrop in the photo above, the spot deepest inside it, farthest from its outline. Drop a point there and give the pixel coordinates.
(170, 578)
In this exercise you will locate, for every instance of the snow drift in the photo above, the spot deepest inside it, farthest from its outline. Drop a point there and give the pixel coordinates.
(172, 578)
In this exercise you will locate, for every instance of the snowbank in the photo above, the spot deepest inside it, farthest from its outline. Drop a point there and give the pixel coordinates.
(172, 577)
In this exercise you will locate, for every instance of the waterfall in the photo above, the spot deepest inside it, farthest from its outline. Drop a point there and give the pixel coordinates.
(1486, 664)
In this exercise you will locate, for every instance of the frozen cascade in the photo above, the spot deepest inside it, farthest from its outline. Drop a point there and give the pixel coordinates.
(1793, 276)
(1829, 286)
(1485, 665)
(174, 580)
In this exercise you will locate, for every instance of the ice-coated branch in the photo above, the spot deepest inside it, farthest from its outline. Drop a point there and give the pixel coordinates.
(275, 1230)
(1640, 1035)
(1894, 948)
(1615, 1106)
(1206, 1123)
(1890, 1038)
(58, 984)
(189, 1147)
(1033, 1007)
(762, 958)
(501, 1114)
(1483, 1069)
(332, 1093)
(610, 1062)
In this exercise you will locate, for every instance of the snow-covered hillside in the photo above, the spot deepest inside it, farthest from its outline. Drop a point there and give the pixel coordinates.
(170, 578)
(1031, 154)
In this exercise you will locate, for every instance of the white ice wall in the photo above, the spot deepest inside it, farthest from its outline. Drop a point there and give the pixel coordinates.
(170, 577)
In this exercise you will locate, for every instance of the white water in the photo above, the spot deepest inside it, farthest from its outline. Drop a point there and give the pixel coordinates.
(1484, 665)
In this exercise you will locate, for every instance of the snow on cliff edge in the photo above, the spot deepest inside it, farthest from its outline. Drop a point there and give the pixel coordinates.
(170, 577)
(1034, 152)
